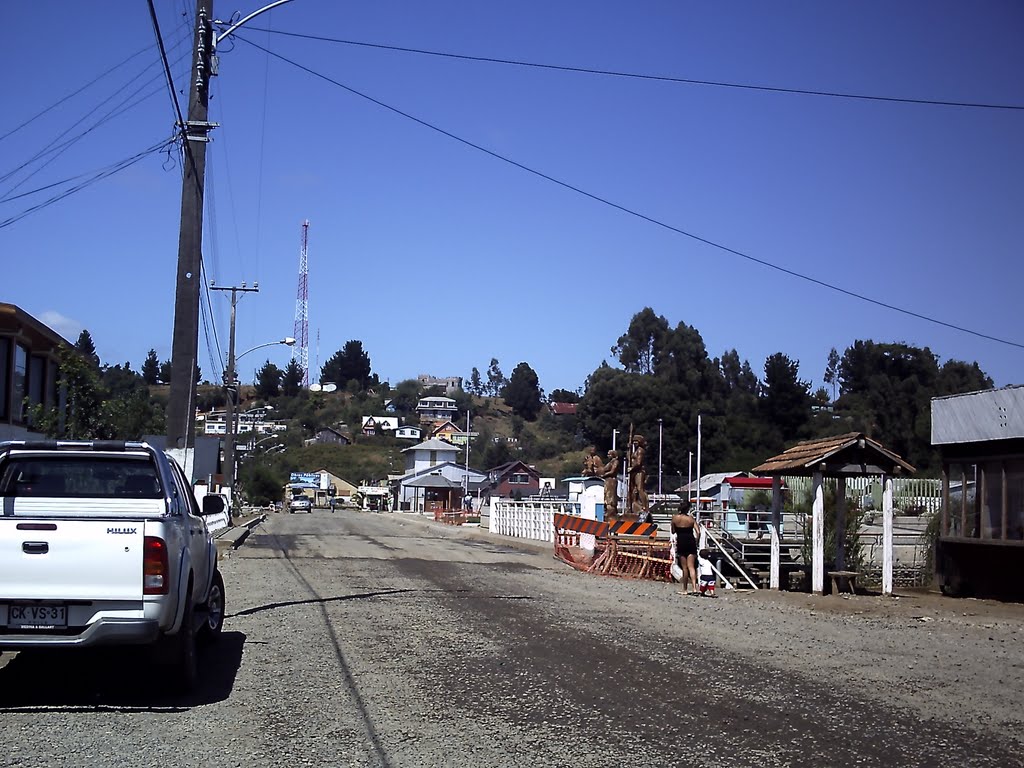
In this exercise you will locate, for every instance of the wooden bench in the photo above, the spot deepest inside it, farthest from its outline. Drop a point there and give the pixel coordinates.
(844, 577)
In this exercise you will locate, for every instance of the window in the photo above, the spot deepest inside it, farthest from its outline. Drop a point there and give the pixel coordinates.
(519, 478)
(5, 367)
(80, 477)
(36, 380)
(18, 382)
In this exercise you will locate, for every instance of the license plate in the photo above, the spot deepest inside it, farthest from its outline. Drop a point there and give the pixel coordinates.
(37, 616)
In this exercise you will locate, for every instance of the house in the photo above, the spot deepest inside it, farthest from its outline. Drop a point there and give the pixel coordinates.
(441, 486)
(980, 547)
(714, 490)
(409, 432)
(254, 420)
(452, 433)
(562, 409)
(329, 436)
(320, 486)
(514, 479)
(450, 384)
(374, 425)
(436, 409)
(429, 453)
(389, 406)
(28, 369)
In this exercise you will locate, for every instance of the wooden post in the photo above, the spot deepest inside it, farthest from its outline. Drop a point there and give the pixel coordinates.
(944, 524)
(774, 581)
(818, 536)
(886, 534)
(841, 524)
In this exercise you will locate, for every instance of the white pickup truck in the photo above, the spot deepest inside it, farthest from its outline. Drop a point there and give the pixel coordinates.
(103, 543)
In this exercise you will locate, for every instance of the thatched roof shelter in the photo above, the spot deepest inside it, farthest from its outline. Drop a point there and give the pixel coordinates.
(851, 455)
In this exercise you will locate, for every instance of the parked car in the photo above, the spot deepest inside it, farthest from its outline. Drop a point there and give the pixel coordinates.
(103, 543)
(300, 504)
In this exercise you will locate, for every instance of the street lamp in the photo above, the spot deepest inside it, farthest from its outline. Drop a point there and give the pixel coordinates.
(659, 455)
(231, 387)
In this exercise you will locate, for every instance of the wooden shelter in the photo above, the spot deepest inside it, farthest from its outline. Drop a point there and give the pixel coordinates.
(851, 455)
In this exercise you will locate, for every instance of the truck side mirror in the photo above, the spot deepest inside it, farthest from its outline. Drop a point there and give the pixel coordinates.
(213, 504)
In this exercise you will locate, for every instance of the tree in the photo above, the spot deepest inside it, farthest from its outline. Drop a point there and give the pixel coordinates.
(785, 402)
(406, 396)
(151, 368)
(563, 396)
(832, 372)
(87, 349)
(350, 363)
(291, 382)
(496, 380)
(268, 381)
(165, 372)
(522, 393)
(637, 349)
(476, 385)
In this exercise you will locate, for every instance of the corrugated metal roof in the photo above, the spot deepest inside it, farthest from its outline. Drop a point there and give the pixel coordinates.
(841, 451)
(991, 414)
(433, 444)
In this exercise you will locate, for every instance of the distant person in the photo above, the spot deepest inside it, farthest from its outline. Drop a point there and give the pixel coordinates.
(705, 573)
(684, 528)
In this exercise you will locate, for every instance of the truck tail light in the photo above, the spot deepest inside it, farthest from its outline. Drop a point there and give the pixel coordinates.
(155, 570)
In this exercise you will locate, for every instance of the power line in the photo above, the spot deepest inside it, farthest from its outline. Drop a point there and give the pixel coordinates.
(101, 174)
(641, 76)
(71, 95)
(167, 67)
(630, 211)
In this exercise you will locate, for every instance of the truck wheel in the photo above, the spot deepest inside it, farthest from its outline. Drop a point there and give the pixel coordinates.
(213, 611)
(182, 650)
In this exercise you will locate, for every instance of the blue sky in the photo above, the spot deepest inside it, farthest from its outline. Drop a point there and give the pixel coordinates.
(439, 257)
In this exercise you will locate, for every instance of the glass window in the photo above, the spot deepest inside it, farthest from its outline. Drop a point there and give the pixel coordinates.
(1015, 500)
(36, 380)
(519, 479)
(962, 500)
(57, 476)
(992, 504)
(5, 368)
(18, 382)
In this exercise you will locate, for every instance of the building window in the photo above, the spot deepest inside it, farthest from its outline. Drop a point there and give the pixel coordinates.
(519, 478)
(5, 368)
(18, 384)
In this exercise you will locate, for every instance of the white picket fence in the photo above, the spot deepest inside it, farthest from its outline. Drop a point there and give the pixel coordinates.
(529, 519)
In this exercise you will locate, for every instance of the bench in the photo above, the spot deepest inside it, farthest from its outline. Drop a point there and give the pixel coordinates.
(844, 577)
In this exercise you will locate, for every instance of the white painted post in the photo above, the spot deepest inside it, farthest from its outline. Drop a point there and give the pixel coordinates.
(775, 582)
(841, 524)
(818, 537)
(886, 534)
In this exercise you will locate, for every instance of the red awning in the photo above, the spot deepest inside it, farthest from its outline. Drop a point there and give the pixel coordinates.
(749, 482)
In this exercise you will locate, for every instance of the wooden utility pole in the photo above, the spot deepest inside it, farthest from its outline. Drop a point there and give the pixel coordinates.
(185, 340)
(231, 391)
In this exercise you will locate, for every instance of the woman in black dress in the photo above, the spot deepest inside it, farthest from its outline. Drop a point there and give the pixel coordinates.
(684, 526)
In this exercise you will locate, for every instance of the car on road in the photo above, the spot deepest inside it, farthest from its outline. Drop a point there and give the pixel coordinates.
(300, 504)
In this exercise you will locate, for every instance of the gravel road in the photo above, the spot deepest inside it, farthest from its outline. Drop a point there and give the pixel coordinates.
(357, 639)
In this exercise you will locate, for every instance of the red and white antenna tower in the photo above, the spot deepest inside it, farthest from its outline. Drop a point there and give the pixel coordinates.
(300, 351)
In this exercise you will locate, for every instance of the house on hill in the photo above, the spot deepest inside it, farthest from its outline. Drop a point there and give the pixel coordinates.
(379, 425)
(436, 409)
(513, 479)
(329, 436)
(409, 432)
(562, 409)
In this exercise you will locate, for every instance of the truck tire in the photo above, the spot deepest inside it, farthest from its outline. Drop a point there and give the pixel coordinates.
(213, 611)
(181, 650)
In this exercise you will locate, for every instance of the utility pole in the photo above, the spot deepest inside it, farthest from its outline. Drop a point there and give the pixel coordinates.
(185, 339)
(231, 389)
